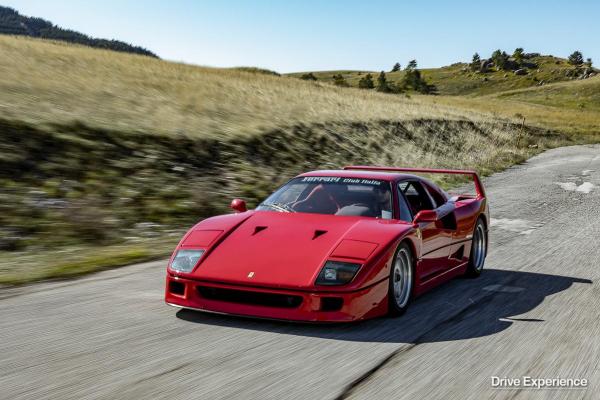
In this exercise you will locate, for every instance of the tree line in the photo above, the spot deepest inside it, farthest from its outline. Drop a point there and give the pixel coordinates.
(13, 23)
(519, 59)
(411, 80)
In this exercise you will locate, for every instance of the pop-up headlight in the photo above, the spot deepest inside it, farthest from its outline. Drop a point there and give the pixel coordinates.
(186, 260)
(337, 273)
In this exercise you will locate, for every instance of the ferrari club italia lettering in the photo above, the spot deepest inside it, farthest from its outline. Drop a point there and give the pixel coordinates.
(321, 179)
(337, 179)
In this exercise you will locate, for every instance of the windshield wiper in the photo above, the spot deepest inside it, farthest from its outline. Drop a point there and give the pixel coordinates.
(279, 207)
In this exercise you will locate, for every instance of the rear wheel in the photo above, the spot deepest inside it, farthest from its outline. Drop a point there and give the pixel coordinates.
(478, 250)
(401, 281)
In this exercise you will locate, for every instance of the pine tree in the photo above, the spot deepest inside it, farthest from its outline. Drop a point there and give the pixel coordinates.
(396, 67)
(500, 59)
(414, 80)
(576, 58)
(519, 55)
(412, 64)
(366, 82)
(475, 62)
(382, 85)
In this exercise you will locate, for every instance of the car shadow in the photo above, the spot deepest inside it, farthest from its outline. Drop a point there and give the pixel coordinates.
(459, 309)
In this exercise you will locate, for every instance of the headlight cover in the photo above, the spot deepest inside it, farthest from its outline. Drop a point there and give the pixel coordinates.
(186, 260)
(337, 273)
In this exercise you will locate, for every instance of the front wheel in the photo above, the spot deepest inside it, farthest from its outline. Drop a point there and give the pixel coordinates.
(401, 281)
(478, 250)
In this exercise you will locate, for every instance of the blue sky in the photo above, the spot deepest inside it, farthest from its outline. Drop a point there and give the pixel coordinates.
(292, 35)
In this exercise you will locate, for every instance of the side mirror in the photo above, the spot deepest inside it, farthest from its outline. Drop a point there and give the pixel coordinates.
(426, 216)
(238, 205)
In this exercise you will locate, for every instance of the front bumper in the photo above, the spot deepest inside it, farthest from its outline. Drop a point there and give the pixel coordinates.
(284, 304)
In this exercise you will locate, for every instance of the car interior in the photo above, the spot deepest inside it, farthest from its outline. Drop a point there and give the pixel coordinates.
(340, 199)
(417, 197)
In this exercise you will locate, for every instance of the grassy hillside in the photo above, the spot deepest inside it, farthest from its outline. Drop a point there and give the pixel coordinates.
(458, 79)
(581, 95)
(57, 83)
(106, 157)
(571, 107)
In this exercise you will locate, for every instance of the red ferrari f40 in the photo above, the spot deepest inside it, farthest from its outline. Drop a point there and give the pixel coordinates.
(332, 246)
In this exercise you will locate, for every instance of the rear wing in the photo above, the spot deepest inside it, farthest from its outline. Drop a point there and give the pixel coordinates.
(480, 191)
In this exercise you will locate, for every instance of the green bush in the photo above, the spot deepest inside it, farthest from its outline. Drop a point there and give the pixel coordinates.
(414, 80)
(500, 59)
(519, 55)
(366, 82)
(339, 80)
(308, 77)
(382, 84)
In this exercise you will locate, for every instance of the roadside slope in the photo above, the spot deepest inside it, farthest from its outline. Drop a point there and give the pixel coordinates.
(82, 190)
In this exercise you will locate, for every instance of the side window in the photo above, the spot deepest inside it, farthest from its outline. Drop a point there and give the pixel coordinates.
(436, 196)
(418, 199)
(405, 214)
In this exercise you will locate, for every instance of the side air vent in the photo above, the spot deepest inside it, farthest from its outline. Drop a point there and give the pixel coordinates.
(318, 233)
(449, 221)
(459, 254)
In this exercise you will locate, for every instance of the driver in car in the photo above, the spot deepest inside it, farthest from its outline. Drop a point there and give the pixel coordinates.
(383, 198)
(379, 205)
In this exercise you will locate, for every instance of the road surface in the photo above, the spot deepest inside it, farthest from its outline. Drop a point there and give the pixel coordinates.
(534, 312)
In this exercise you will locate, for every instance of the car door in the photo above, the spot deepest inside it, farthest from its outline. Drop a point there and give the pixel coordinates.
(435, 238)
(448, 223)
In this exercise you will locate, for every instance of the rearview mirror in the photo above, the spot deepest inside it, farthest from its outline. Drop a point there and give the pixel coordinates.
(238, 205)
(426, 216)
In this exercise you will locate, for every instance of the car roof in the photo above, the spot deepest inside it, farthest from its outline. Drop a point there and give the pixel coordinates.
(380, 175)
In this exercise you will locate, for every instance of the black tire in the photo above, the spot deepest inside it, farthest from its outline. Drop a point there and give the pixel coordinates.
(402, 265)
(478, 250)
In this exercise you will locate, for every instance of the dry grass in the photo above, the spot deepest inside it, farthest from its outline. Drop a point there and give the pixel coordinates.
(582, 124)
(58, 83)
(70, 262)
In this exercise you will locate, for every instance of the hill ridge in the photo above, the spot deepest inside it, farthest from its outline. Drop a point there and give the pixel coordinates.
(460, 79)
(13, 23)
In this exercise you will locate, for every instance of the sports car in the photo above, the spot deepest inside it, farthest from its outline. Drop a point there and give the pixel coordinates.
(332, 246)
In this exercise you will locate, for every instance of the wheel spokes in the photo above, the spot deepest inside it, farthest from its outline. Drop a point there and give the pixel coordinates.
(402, 278)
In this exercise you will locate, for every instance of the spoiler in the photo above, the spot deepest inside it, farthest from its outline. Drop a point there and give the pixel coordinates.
(478, 185)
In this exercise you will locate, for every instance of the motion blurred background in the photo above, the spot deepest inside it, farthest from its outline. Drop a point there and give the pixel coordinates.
(108, 153)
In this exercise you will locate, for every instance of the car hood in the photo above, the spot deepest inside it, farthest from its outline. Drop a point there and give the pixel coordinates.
(287, 249)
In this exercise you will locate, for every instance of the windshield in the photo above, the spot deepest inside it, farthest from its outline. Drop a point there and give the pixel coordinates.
(334, 196)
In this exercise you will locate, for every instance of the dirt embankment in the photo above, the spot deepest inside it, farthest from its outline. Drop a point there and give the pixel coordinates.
(73, 184)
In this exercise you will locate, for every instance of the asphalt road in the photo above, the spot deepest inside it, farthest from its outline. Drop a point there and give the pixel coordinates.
(534, 311)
